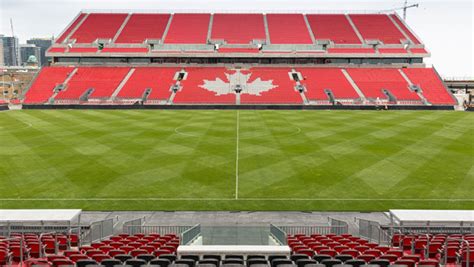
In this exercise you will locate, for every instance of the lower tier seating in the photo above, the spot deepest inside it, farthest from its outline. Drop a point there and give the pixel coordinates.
(158, 80)
(317, 80)
(373, 82)
(194, 89)
(431, 85)
(102, 81)
(221, 85)
(43, 86)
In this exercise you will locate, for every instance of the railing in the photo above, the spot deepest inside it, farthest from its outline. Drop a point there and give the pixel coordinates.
(338, 227)
(241, 11)
(427, 229)
(158, 229)
(134, 222)
(7, 229)
(22, 253)
(373, 232)
(318, 229)
(278, 234)
(189, 235)
(101, 229)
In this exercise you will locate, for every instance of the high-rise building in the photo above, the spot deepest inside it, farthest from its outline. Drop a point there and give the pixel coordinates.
(11, 51)
(43, 44)
(1, 53)
(28, 51)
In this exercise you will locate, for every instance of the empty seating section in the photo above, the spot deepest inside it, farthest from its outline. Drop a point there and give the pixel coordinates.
(238, 28)
(118, 250)
(35, 247)
(188, 29)
(316, 80)
(353, 251)
(192, 88)
(143, 26)
(288, 29)
(98, 26)
(261, 85)
(283, 91)
(431, 85)
(43, 86)
(83, 50)
(103, 81)
(159, 80)
(405, 29)
(351, 50)
(333, 27)
(377, 27)
(124, 50)
(392, 51)
(447, 249)
(73, 25)
(372, 82)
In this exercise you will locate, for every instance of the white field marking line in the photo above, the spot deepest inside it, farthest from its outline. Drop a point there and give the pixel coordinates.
(240, 199)
(237, 157)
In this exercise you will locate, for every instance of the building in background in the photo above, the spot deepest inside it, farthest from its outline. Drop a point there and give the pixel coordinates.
(43, 44)
(1, 53)
(30, 54)
(11, 51)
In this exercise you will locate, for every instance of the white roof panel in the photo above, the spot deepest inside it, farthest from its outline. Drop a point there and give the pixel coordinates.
(16, 215)
(434, 215)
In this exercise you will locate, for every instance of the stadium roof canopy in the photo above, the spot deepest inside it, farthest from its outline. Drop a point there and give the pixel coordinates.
(431, 216)
(36, 215)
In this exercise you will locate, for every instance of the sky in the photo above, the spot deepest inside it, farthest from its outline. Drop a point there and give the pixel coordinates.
(446, 27)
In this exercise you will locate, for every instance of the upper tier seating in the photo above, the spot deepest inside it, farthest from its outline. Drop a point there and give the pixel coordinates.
(103, 80)
(159, 80)
(143, 26)
(372, 82)
(188, 29)
(73, 25)
(316, 80)
(288, 29)
(431, 85)
(42, 88)
(98, 26)
(333, 27)
(402, 25)
(238, 28)
(192, 92)
(377, 27)
(283, 93)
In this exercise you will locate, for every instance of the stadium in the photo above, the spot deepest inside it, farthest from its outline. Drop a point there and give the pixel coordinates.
(237, 139)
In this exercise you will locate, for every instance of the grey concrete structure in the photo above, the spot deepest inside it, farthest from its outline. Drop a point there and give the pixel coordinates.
(230, 218)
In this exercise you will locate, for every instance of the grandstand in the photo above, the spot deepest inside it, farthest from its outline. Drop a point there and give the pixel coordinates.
(139, 244)
(375, 59)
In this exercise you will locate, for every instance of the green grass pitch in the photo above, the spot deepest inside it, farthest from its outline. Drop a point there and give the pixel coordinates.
(236, 160)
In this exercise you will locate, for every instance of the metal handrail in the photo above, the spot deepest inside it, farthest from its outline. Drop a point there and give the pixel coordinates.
(190, 234)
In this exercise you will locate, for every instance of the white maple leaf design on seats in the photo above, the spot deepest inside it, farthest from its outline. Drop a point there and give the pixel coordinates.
(238, 81)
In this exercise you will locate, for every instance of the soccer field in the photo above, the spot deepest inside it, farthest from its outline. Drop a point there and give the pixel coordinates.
(236, 160)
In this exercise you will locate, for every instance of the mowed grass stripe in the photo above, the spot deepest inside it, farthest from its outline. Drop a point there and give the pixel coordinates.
(288, 160)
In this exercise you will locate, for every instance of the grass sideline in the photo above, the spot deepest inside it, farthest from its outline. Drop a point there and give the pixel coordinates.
(187, 160)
